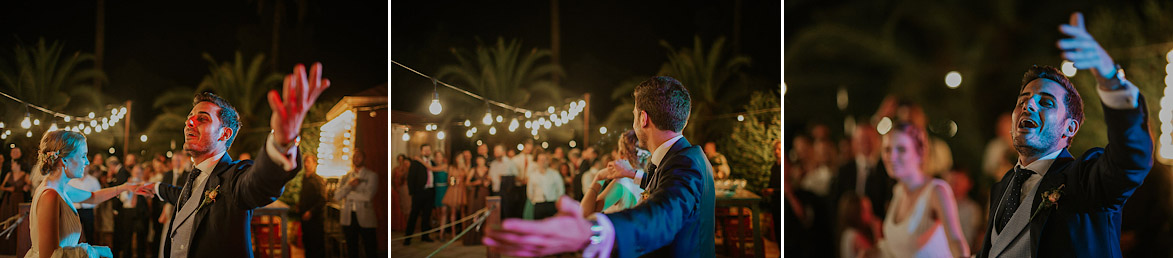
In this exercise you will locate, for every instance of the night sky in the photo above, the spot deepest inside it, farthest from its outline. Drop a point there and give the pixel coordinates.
(151, 46)
(603, 42)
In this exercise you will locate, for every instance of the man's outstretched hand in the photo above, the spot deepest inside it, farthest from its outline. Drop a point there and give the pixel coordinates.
(297, 96)
(1083, 50)
(565, 232)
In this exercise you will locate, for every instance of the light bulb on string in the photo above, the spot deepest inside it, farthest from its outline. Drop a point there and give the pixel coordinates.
(29, 134)
(528, 114)
(26, 123)
(513, 125)
(499, 118)
(440, 135)
(528, 124)
(67, 118)
(406, 137)
(488, 119)
(91, 115)
(467, 123)
(435, 107)
(53, 127)
(36, 121)
(492, 130)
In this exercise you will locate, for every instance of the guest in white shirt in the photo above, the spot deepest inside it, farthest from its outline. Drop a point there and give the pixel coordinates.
(544, 187)
(358, 215)
(85, 211)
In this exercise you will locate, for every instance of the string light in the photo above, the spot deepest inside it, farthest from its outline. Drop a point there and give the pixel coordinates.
(488, 119)
(435, 108)
(603, 130)
(573, 143)
(440, 135)
(492, 130)
(25, 123)
(143, 138)
(513, 125)
(36, 122)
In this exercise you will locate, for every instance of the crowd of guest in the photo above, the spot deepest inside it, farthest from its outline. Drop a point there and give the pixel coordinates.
(433, 188)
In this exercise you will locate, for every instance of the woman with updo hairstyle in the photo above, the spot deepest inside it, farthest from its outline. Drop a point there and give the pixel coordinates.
(622, 193)
(55, 227)
(922, 219)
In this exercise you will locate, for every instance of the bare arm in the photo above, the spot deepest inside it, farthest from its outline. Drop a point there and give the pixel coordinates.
(100, 196)
(946, 209)
(590, 201)
(48, 211)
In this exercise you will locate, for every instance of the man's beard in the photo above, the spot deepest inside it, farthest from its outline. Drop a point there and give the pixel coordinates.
(1027, 148)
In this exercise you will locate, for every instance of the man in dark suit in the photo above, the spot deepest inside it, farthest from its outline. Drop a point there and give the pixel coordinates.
(866, 168)
(588, 160)
(423, 195)
(1053, 204)
(215, 205)
(676, 220)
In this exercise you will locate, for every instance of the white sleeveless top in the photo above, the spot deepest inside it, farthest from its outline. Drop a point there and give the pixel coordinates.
(68, 229)
(918, 235)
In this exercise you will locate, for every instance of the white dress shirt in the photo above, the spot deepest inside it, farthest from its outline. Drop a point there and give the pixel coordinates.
(88, 183)
(498, 168)
(545, 187)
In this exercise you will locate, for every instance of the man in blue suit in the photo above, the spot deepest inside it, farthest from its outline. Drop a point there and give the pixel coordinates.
(1053, 204)
(676, 218)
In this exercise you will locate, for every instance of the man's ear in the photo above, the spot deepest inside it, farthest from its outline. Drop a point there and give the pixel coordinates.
(225, 134)
(1071, 128)
(644, 120)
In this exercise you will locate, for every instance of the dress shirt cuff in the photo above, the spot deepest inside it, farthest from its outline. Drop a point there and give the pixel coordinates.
(603, 248)
(282, 155)
(1122, 99)
(157, 192)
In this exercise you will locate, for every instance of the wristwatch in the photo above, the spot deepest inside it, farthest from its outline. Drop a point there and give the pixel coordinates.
(1115, 82)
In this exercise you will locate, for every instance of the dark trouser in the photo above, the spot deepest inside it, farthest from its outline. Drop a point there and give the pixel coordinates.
(544, 210)
(87, 225)
(354, 232)
(312, 233)
(128, 225)
(511, 205)
(421, 204)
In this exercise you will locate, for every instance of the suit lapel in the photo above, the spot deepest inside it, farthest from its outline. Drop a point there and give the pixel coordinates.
(1051, 180)
(998, 192)
(213, 181)
(680, 145)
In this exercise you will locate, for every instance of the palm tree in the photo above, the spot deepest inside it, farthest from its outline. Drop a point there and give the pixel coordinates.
(244, 84)
(503, 72)
(708, 76)
(41, 76)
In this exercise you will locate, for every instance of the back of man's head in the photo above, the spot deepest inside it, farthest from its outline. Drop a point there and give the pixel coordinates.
(666, 101)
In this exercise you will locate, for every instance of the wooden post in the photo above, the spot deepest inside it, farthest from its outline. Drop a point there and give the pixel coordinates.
(586, 121)
(126, 132)
(494, 204)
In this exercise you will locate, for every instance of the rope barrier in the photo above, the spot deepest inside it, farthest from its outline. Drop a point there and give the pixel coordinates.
(485, 210)
(9, 225)
(476, 225)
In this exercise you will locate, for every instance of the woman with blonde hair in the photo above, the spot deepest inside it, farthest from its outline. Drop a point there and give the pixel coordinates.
(55, 227)
(922, 220)
(622, 193)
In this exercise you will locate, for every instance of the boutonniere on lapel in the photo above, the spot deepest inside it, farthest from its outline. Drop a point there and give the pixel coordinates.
(209, 197)
(1050, 199)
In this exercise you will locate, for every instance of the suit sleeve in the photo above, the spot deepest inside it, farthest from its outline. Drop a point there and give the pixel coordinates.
(168, 192)
(1127, 158)
(262, 182)
(655, 223)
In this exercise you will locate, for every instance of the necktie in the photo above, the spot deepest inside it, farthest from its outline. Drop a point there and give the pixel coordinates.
(1012, 199)
(647, 181)
(187, 186)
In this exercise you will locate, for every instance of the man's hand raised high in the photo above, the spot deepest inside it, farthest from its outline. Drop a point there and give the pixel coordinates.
(1083, 50)
(297, 96)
